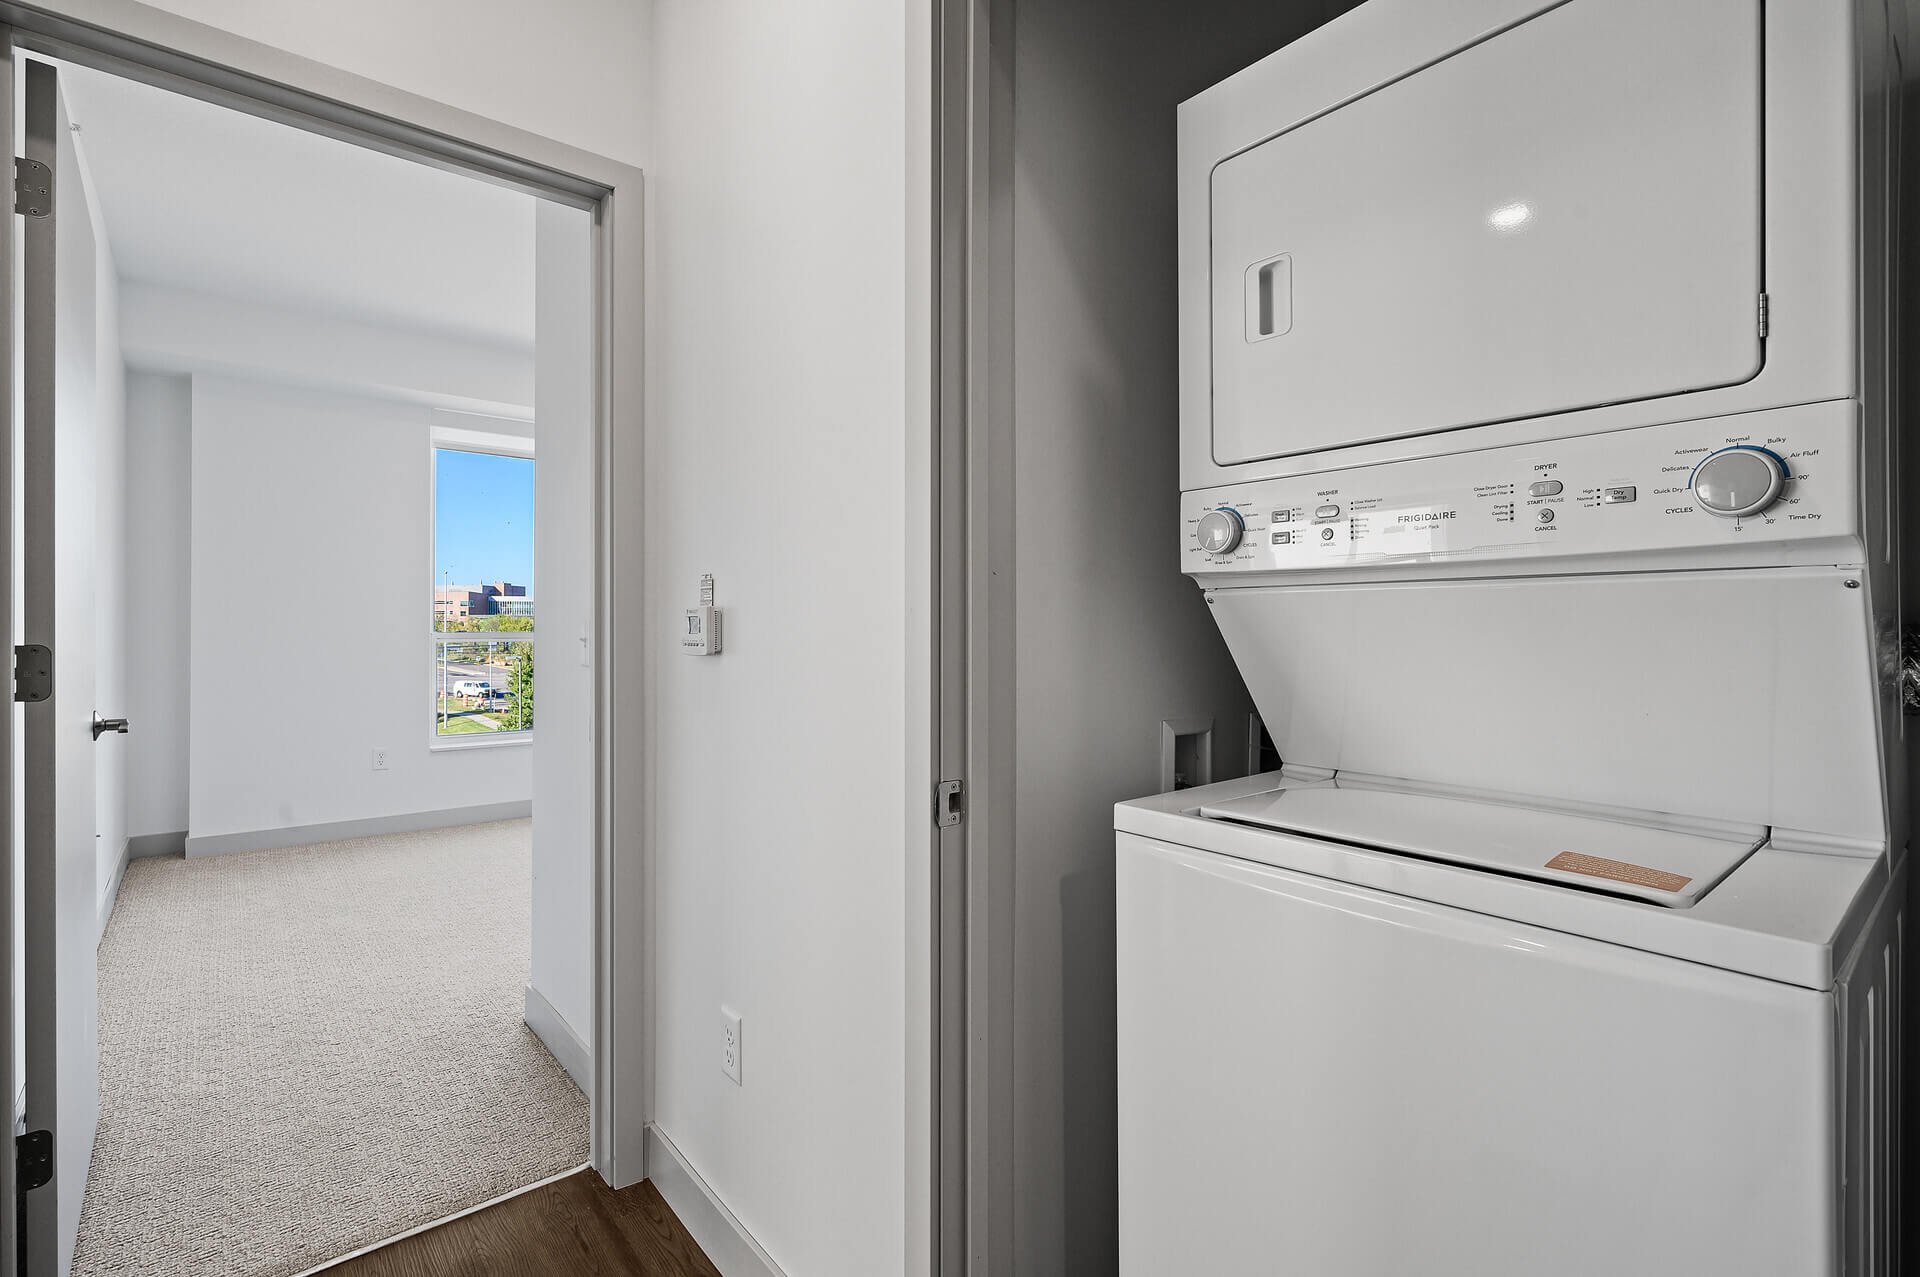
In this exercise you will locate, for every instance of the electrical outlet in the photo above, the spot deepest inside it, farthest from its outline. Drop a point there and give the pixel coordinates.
(730, 1045)
(379, 760)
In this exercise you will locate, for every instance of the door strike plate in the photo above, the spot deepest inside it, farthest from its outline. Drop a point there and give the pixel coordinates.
(32, 672)
(949, 803)
(32, 1159)
(32, 187)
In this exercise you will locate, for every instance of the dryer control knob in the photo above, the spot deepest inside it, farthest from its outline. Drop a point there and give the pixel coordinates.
(1738, 481)
(1220, 530)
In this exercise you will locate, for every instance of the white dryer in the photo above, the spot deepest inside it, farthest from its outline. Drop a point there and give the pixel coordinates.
(1535, 464)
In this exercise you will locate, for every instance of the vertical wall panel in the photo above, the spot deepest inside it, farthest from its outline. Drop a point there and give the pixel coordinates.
(1111, 639)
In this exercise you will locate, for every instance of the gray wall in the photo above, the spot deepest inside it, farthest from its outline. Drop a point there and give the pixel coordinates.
(159, 516)
(1111, 638)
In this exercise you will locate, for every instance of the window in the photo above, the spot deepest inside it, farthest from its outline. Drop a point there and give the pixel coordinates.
(482, 615)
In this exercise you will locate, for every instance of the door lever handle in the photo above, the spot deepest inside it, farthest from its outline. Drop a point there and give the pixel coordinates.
(101, 726)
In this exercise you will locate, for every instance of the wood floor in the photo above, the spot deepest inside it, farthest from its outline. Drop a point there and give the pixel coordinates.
(574, 1227)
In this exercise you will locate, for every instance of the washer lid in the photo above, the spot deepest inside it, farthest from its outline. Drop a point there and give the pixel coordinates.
(1658, 865)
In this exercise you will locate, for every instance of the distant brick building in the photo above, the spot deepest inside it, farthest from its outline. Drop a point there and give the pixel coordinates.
(459, 602)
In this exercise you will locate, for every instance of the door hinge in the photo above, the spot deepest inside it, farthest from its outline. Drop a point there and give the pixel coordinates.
(1763, 316)
(32, 1159)
(32, 187)
(32, 672)
(949, 803)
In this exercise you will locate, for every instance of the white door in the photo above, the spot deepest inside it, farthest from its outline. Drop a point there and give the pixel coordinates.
(56, 492)
(1564, 215)
(1316, 1078)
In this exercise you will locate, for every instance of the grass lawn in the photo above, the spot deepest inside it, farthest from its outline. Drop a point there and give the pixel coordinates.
(456, 720)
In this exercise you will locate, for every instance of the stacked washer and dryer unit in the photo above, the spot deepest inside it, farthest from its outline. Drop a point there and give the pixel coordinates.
(1536, 459)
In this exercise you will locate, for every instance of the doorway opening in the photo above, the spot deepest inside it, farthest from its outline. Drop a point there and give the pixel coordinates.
(324, 907)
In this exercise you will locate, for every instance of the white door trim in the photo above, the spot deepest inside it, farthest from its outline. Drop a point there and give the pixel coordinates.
(143, 43)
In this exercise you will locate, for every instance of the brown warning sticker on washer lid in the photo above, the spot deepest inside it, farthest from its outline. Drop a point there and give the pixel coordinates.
(1575, 862)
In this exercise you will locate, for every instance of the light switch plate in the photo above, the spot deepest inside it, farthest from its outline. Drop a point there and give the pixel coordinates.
(700, 633)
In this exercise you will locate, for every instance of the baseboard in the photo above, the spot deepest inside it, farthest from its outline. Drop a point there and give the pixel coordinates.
(334, 831)
(140, 846)
(112, 893)
(725, 1240)
(567, 1046)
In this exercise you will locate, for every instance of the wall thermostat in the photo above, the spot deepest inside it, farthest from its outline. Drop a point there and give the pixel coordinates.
(700, 632)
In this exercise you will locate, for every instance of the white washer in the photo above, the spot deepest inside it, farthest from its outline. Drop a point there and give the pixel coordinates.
(1342, 1052)
(1535, 466)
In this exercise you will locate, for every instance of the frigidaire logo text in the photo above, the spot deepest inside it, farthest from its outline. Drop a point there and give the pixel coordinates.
(1428, 516)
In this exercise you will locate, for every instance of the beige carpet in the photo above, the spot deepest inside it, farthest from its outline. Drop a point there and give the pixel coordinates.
(304, 1051)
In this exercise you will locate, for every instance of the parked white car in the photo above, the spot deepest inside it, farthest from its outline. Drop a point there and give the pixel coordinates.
(476, 687)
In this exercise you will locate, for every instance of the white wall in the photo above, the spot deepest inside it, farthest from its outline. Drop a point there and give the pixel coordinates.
(159, 429)
(563, 571)
(168, 333)
(178, 330)
(312, 569)
(569, 69)
(776, 361)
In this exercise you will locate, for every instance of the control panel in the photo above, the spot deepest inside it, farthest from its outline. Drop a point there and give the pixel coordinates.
(1689, 485)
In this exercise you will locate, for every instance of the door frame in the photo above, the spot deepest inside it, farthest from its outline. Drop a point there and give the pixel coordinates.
(973, 706)
(162, 49)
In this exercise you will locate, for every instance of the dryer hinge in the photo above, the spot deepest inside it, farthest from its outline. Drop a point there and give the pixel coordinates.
(1763, 316)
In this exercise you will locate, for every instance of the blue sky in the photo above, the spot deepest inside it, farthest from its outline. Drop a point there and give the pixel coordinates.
(483, 519)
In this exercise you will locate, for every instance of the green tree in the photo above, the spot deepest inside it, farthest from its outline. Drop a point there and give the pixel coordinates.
(519, 714)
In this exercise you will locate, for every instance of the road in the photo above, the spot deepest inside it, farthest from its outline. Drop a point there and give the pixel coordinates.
(501, 676)
(498, 675)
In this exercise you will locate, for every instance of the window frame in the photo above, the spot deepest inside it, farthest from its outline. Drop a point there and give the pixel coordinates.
(446, 438)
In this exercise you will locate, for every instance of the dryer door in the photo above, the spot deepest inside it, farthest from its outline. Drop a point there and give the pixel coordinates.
(1564, 215)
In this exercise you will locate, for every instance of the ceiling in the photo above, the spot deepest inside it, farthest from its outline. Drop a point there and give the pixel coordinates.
(203, 197)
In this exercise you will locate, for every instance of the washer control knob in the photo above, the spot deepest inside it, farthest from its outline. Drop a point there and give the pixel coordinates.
(1220, 530)
(1738, 481)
